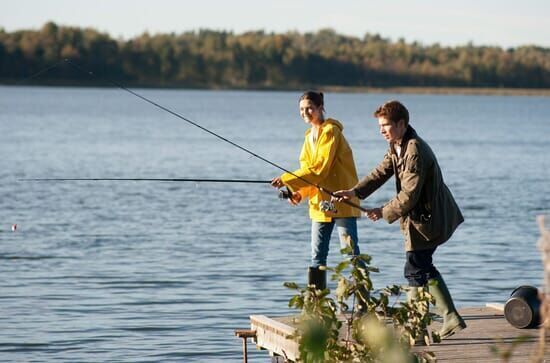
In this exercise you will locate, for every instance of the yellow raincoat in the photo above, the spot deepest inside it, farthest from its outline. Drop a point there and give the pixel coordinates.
(327, 162)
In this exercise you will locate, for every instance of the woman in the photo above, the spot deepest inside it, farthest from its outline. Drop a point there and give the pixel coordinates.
(326, 160)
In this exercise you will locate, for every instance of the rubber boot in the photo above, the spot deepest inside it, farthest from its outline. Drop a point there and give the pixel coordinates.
(317, 277)
(452, 321)
(412, 295)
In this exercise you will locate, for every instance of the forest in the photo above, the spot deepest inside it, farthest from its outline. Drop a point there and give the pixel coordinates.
(260, 60)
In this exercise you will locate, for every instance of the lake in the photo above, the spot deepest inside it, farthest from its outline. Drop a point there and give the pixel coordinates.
(161, 271)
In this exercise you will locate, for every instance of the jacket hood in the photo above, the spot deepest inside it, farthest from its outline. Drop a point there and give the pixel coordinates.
(331, 121)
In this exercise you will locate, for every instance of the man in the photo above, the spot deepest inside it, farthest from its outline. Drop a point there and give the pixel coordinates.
(426, 208)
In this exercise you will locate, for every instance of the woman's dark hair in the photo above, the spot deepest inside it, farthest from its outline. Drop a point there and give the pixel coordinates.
(316, 97)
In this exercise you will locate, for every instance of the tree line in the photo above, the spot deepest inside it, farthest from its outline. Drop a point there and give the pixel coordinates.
(207, 58)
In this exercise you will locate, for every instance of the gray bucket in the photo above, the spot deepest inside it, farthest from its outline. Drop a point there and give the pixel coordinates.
(522, 310)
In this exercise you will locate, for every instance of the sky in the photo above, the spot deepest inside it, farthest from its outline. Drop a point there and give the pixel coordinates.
(504, 23)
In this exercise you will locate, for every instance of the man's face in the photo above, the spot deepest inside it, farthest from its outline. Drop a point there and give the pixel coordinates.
(391, 131)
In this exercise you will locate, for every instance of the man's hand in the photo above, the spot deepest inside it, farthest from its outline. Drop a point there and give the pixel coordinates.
(374, 214)
(277, 182)
(342, 195)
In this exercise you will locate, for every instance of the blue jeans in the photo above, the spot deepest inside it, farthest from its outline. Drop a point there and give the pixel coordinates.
(320, 238)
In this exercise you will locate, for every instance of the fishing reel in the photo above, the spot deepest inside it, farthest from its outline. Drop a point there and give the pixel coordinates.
(324, 205)
(285, 193)
(327, 206)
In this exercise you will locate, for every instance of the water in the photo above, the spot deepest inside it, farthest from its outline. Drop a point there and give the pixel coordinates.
(147, 272)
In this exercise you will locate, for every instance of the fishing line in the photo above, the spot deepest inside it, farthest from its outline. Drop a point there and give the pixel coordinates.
(47, 69)
(173, 113)
(155, 179)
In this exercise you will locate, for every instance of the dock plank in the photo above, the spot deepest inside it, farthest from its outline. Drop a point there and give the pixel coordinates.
(487, 327)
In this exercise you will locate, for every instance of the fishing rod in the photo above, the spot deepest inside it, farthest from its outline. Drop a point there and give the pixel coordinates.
(283, 194)
(173, 113)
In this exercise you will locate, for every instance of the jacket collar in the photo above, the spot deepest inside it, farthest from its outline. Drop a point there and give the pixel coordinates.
(410, 133)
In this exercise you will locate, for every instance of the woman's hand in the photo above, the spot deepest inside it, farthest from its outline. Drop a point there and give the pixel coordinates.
(295, 199)
(277, 182)
(342, 195)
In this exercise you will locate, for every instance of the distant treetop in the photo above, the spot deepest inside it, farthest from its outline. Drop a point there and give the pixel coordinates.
(208, 58)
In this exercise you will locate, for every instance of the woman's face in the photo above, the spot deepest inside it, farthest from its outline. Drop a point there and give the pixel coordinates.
(310, 113)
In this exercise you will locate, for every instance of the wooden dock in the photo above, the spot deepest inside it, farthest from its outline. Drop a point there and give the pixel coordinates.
(487, 328)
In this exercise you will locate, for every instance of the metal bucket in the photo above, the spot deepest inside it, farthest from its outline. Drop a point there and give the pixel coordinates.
(522, 310)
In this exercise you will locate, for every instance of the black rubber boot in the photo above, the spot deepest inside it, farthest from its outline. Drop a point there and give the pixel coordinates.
(317, 277)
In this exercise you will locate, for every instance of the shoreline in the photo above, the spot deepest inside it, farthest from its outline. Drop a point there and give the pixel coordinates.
(484, 91)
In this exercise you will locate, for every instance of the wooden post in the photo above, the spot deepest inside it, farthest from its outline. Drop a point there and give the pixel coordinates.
(245, 351)
(244, 334)
(544, 246)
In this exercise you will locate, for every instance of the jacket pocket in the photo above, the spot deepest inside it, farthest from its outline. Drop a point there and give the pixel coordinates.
(425, 222)
(426, 227)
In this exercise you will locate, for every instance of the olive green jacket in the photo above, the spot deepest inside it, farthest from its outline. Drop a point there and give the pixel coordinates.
(428, 212)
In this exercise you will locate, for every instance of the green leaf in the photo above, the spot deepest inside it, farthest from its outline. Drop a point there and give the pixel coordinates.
(346, 251)
(343, 288)
(341, 266)
(365, 258)
(291, 285)
(295, 301)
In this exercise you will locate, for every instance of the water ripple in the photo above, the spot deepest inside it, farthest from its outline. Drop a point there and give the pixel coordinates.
(149, 272)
